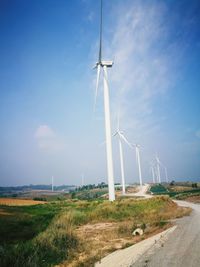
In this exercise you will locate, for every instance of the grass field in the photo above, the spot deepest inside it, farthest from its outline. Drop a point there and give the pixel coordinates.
(55, 232)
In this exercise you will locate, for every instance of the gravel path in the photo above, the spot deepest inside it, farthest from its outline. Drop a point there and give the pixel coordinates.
(178, 246)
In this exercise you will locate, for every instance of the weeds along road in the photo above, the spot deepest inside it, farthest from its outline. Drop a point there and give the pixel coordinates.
(178, 246)
(182, 249)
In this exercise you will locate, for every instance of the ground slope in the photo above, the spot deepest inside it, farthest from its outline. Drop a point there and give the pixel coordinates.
(175, 247)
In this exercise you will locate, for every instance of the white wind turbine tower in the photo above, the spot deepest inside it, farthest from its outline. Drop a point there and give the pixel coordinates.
(153, 174)
(165, 170)
(158, 169)
(137, 152)
(52, 189)
(119, 134)
(166, 175)
(152, 171)
(104, 65)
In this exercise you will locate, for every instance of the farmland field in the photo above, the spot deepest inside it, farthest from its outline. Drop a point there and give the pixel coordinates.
(19, 202)
(178, 192)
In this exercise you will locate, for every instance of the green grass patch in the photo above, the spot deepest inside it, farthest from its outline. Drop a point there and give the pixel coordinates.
(158, 189)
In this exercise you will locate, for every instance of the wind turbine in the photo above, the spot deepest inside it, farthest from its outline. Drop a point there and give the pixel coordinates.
(165, 170)
(152, 172)
(104, 65)
(52, 189)
(166, 175)
(137, 152)
(119, 134)
(158, 169)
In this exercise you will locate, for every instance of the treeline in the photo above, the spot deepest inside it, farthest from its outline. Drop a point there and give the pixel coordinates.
(191, 184)
(10, 189)
(91, 186)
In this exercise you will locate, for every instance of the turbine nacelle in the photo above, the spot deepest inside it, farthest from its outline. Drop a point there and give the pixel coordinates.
(136, 145)
(119, 133)
(107, 63)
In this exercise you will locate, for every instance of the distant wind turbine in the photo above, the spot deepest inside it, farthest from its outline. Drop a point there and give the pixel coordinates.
(165, 170)
(158, 169)
(152, 172)
(52, 189)
(137, 152)
(119, 134)
(104, 65)
(166, 175)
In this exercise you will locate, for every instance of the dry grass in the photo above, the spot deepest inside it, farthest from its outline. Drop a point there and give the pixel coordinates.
(19, 202)
(194, 199)
(101, 238)
(180, 188)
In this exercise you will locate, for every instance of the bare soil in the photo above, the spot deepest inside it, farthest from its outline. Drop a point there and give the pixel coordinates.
(103, 238)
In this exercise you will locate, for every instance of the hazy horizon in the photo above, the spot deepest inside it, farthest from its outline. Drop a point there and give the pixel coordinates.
(47, 84)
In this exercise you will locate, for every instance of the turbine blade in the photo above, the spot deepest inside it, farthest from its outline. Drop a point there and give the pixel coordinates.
(115, 134)
(125, 140)
(118, 119)
(97, 85)
(137, 154)
(100, 39)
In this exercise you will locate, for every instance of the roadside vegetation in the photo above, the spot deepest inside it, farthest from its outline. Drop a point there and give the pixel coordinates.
(181, 191)
(78, 232)
(191, 197)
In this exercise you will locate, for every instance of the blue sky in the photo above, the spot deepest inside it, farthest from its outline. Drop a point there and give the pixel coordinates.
(47, 52)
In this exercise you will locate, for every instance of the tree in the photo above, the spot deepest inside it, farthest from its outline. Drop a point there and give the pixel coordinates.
(194, 185)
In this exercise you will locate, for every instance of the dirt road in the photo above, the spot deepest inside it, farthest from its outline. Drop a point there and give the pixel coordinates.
(141, 193)
(177, 247)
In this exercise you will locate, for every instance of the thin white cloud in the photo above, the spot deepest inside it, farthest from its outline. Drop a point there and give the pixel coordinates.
(47, 139)
(144, 62)
(44, 131)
